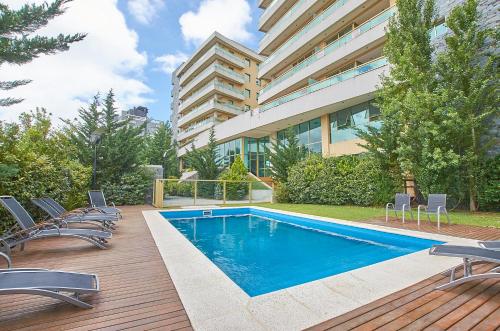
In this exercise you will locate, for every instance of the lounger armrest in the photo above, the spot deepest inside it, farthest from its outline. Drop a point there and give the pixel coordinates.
(390, 204)
(7, 258)
(113, 204)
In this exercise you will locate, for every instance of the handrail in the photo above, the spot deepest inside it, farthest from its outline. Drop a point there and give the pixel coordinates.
(369, 66)
(282, 19)
(321, 17)
(214, 66)
(365, 27)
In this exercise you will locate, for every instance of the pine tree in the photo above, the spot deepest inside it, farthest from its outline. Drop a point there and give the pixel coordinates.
(284, 154)
(161, 150)
(17, 47)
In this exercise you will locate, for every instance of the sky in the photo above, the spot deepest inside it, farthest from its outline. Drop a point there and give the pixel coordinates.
(132, 47)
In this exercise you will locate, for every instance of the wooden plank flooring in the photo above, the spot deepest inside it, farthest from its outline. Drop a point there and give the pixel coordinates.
(470, 306)
(138, 293)
(136, 290)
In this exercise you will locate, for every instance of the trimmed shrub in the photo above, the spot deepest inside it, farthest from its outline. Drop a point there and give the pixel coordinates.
(237, 172)
(344, 180)
(131, 189)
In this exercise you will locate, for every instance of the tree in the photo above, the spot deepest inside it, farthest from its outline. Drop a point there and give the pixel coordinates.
(18, 47)
(161, 150)
(236, 172)
(206, 162)
(284, 154)
(468, 86)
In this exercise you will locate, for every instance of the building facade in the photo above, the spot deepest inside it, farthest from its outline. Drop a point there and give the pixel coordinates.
(174, 104)
(322, 67)
(217, 83)
(137, 117)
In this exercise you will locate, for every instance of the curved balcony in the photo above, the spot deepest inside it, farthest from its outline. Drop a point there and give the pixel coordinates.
(209, 107)
(210, 89)
(357, 38)
(211, 72)
(197, 128)
(214, 52)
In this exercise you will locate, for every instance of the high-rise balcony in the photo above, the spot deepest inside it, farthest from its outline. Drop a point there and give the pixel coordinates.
(210, 73)
(330, 18)
(197, 128)
(369, 33)
(208, 107)
(216, 52)
(210, 89)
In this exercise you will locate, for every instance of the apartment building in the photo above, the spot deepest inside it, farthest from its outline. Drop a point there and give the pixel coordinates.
(138, 116)
(322, 67)
(217, 83)
(174, 104)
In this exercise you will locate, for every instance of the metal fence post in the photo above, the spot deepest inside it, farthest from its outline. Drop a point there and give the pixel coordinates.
(250, 192)
(224, 192)
(195, 191)
(272, 192)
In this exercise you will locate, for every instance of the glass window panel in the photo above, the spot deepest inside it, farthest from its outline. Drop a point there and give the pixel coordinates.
(343, 119)
(303, 133)
(315, 131)
(237, 146)
(315, 148)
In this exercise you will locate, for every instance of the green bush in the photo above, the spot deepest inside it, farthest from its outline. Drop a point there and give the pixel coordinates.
(180, 189)
(237, 172)
(131, 188)
(344, 180)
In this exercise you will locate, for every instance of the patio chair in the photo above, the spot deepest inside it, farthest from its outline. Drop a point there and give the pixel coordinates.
(471, 255)
(492, 244)
(97, 200)
(103, 221)
(436, 204)
(47, 283)
(401, 203)
(83, 211)
(29, 230)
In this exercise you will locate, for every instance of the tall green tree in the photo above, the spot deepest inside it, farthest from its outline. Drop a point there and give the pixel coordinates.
(18, 47)
(160, 149)
(468, 86)
(284, 154)
(205, 160)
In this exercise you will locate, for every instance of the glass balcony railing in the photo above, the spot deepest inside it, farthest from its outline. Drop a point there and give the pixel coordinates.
(218, 67)
(212, 84)
(348, 74)
(212, 103)
(282, 21)
(230, 88)
(195, 126)
(367, 26)
(298, 36)
(234, 58)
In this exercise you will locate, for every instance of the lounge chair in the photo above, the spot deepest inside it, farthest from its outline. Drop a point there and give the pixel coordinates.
(103, 221)
(29, 230)
(47, 283)
(97, 200)
(401, 203)
(470, 255)
(83, 211)
(436, 204)
(492, 244)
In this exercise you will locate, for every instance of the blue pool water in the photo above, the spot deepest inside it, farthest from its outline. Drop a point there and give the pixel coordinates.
(265, 251)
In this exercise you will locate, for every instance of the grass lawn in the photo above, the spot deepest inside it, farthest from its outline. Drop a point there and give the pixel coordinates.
(355, 213)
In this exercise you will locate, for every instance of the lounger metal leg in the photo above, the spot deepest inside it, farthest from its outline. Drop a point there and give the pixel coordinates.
(74, 300)
(467, 279)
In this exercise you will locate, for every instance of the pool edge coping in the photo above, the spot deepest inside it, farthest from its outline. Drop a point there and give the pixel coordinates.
(219, 302)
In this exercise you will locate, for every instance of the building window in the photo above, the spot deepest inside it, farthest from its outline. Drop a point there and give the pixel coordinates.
(248, 62)
(247, 107)
(256, 158)
(257, 82)
(228, 151)
(345, 122)
(308, 134)
(247, 93)
(248, 77)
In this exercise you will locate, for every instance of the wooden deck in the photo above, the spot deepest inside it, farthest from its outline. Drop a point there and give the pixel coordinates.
(138, 293)
(136, 290)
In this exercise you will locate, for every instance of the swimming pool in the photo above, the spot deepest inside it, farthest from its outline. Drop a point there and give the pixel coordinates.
(263, 251)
